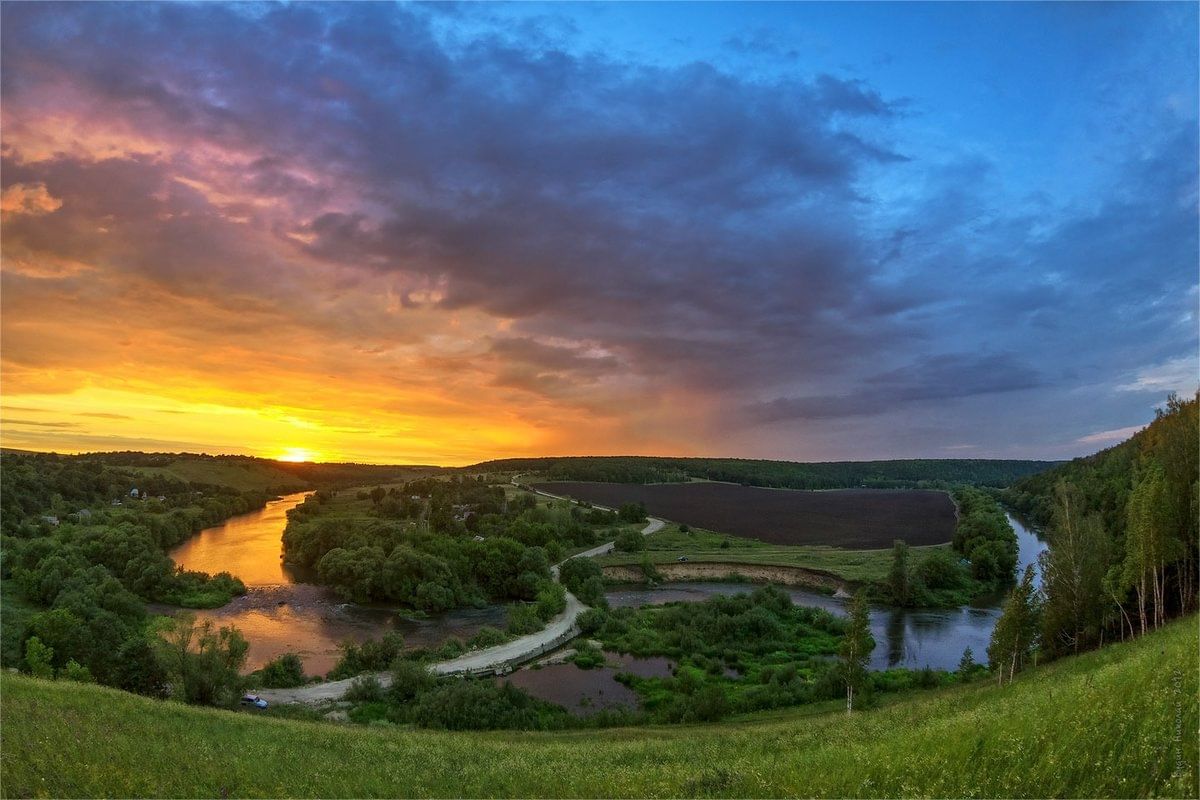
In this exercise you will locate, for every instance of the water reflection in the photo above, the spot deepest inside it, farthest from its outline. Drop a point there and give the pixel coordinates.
(249, 545)
(912, 638)
(280, 614)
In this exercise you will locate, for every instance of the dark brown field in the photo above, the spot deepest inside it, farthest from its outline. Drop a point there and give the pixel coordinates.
(861, 519)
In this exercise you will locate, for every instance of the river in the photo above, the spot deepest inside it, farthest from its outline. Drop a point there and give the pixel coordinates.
(281, 614)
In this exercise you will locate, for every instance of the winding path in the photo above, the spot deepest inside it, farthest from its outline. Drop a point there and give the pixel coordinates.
(558, 631)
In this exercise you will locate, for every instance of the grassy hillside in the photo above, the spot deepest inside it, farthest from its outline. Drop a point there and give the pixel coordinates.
(1117, 722)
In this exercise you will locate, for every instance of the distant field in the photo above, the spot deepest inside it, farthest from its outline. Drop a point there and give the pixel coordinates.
(699, 545)
(863, 519)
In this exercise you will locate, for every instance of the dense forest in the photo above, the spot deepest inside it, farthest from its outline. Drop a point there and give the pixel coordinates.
(84, 548)
(435, 544)
(1122, 527)
(904, 474)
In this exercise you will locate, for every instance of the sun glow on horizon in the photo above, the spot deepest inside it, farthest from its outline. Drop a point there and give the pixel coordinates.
(296, 455)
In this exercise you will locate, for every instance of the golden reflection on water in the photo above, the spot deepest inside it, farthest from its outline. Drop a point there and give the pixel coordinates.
(249, 546)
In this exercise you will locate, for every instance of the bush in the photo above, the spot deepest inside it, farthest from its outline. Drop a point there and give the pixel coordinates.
(551, 600)
(370, 656)
(523, 619)
(283, 672)
(591, 620)
(632, 512)
(481, 705)
(487, 637)
(451, 648)
(39, 658)
(365, 689)
(630, 541)
(73, 671)
(587, 656)
(583, 578)
(409, 680)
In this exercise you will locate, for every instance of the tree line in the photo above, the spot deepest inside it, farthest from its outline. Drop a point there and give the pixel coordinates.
(899, 474)
(1122, 528)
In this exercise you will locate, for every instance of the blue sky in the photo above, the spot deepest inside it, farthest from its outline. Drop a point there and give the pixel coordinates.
(807, 231)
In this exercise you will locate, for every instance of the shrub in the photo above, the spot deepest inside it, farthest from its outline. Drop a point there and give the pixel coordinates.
(630, 541)
(487, 636)
(587, 656)
(365, 689)
(523, 619)
(373, 655)
(409, 680)
(591, 620)
(73, 671)
(283, 672)
(39, 658)
(632, 512)
(481, 705)
(551, 600)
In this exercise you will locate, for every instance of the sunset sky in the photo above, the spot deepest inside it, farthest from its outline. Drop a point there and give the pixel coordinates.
(439, 234)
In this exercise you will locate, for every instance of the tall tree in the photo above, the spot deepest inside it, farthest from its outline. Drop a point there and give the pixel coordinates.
(1016, 632)
(1073, 574)
(1150, 542)
(856, 648)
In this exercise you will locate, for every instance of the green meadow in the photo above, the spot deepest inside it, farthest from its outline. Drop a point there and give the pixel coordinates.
(1121, 721)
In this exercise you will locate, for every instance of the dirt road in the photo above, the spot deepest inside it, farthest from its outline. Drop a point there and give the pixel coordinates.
(558, 630)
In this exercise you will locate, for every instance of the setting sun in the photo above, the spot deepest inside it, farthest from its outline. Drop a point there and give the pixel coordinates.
(296, 454)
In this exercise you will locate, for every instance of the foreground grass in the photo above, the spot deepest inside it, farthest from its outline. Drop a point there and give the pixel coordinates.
(856, 566)
(1120, 722)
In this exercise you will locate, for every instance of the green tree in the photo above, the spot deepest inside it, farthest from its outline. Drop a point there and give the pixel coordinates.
(204, 663)
(282, 672)
(966, 664)
(855, 649)
(1150, 543)
(630, 541)
(74, 671)
(39, 658)
(1016, 632)
(1073, 572)
(632, 512)
(897, 580)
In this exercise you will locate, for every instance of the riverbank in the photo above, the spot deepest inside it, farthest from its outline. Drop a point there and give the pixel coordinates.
(501, 658)
(729, 571)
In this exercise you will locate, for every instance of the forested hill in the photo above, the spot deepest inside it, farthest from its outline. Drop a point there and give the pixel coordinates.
(244, 473)
(777, 474)
(1107, 478)
(1123, 528)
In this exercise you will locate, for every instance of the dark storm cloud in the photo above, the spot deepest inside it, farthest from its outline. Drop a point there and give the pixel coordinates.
(746, 236)
(577, 194)
(933, 379)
